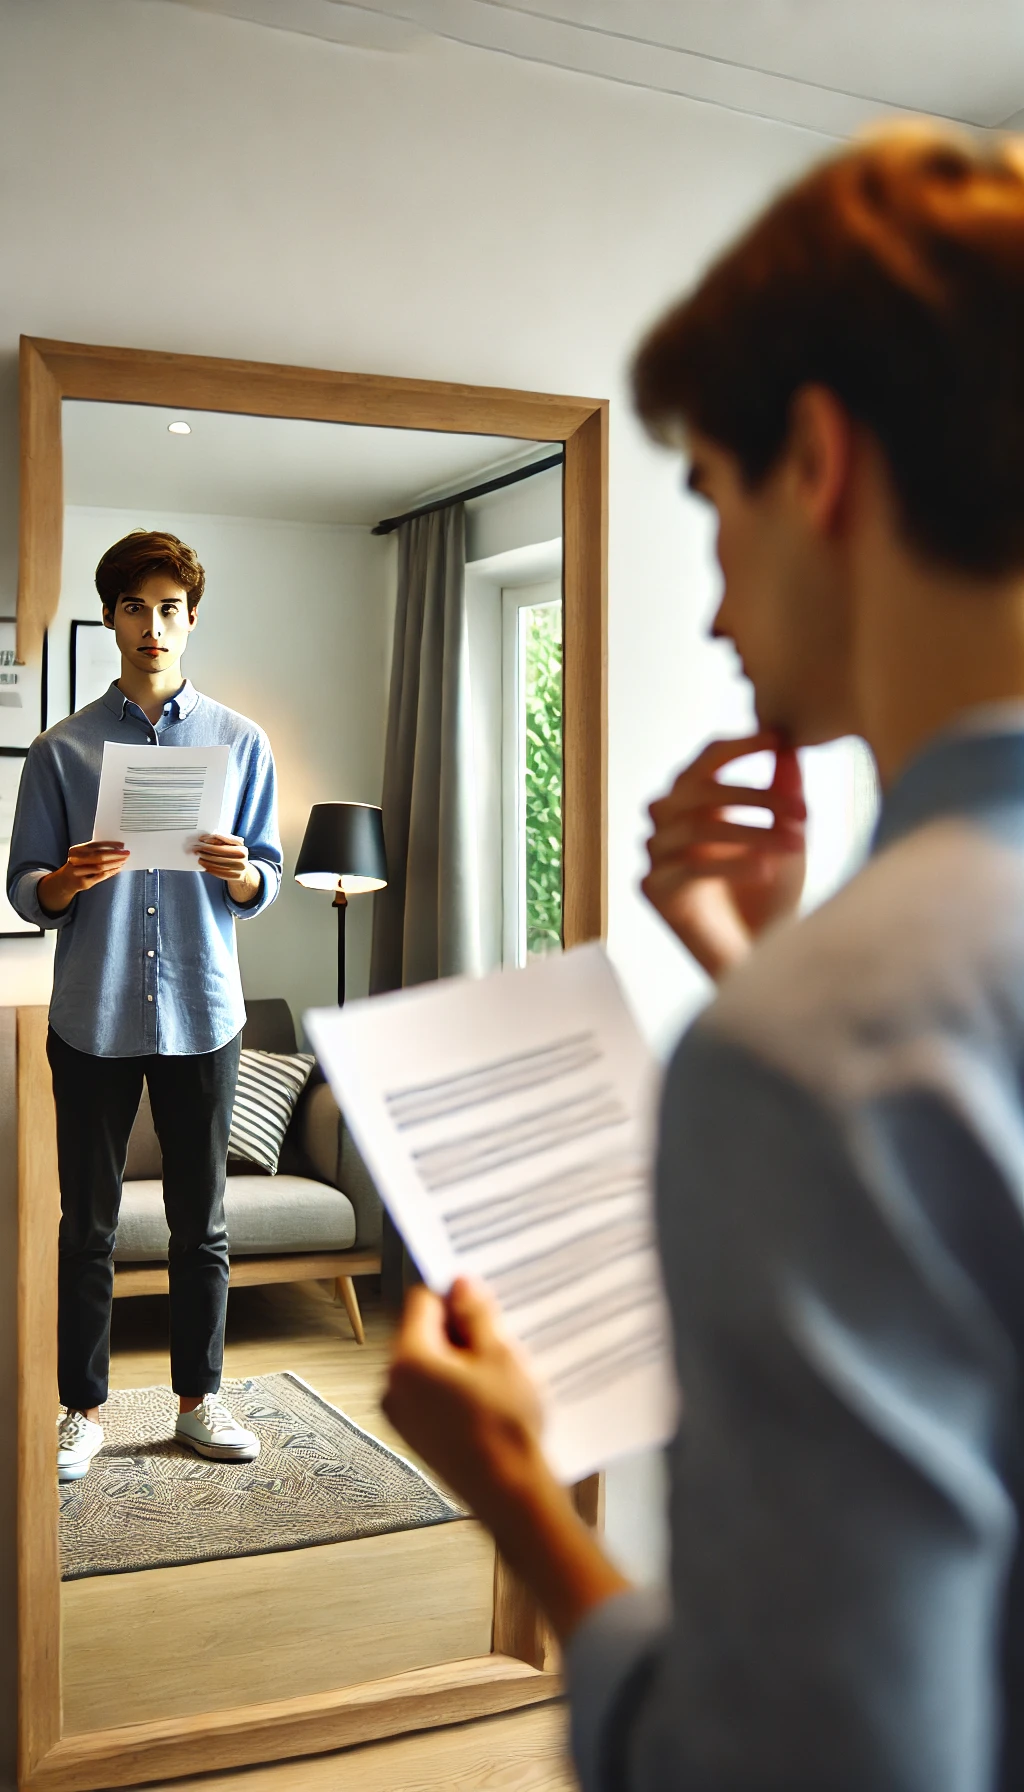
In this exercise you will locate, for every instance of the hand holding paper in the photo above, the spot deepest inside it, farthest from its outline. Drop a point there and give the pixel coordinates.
(472, 1412)
(456, 1368)
(87, 865)
(226, 856)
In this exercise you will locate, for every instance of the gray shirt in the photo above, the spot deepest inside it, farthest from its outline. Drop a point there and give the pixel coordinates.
(841, 1207)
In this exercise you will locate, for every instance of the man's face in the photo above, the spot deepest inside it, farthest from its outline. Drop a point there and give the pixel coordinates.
(153, 626)
(784, 603)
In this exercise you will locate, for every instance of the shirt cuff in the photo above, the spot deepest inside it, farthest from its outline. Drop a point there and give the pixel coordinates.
(24, 898)
(606, 1653)
(269, 879)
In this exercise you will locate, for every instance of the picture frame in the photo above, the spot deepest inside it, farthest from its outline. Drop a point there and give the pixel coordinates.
(95, 662)
(12, 764)
(22, 691)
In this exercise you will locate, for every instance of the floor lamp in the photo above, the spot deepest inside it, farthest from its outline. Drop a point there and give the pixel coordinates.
(343, 850)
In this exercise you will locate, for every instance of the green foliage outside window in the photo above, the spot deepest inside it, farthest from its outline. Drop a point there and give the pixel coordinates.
(543, 693)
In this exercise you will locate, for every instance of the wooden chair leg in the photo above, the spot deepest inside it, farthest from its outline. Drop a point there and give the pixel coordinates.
(346, 1288)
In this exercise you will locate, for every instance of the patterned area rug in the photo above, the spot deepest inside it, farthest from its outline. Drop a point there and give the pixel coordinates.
(150, 1502)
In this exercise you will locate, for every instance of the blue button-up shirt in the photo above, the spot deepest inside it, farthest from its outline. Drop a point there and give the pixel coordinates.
(841, 1208)
(146, 961)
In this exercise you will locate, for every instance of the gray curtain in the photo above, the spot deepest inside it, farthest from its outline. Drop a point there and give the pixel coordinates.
(426, 922)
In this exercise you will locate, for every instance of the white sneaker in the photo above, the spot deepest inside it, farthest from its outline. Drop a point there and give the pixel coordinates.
(78, 1440)
(213, 1431)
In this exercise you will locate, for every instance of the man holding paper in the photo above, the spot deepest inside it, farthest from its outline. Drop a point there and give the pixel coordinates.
(841, 1163)
(146, 983)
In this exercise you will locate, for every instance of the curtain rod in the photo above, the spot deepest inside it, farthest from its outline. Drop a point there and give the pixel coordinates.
(475, 491)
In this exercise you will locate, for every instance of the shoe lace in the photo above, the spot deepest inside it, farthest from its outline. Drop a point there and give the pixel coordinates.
(214, 1413)
(72, 1429)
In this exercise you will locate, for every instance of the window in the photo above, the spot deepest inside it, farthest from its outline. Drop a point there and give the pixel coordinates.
(532, 770)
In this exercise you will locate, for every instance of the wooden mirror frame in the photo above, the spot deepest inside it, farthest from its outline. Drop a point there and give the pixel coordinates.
(518, 1672)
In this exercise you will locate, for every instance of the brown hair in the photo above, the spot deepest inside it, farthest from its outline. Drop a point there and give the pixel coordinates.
(893, 274)
(142, 555)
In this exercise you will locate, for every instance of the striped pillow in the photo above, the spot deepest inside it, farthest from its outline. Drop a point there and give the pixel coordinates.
(269, 1085)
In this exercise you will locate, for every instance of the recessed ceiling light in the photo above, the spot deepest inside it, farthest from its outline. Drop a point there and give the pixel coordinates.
(181, 428)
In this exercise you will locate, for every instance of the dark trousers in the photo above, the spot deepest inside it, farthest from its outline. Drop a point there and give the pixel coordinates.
(97, 1100)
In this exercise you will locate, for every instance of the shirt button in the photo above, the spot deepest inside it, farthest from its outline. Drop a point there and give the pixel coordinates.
(150, 954)
(151, 911)
(152, 869)
(149, 998)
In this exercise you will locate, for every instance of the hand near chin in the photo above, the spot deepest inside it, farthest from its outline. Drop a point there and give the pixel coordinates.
(718, 883)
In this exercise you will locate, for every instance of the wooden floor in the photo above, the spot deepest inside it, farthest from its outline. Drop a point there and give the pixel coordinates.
(524, 1751)
(213, 1635)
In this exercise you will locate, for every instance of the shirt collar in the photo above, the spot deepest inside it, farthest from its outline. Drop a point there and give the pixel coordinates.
(181, 704)
(974, 767)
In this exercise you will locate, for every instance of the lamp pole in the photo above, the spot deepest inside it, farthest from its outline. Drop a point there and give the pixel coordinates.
(341, 904)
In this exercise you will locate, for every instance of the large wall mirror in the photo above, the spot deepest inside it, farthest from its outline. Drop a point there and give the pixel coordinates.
(174, 1619)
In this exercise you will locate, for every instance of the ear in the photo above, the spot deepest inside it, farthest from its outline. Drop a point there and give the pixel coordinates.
(820, 452)
(193, 618)
(108, 617)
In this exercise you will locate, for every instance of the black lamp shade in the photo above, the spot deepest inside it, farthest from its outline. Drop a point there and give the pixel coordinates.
(343, 848)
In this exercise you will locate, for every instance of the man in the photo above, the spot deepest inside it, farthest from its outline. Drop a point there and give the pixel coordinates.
(146, 986)
(841, 1163)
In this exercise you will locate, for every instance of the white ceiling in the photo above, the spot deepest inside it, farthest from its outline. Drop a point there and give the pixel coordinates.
(824, 64)
(121, 456)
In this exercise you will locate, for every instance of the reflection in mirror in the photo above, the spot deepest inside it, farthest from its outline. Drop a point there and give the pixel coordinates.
(416, 668)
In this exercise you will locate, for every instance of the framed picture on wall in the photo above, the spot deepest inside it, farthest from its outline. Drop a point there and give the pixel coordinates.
(22, 692)
(12, 764)
(95, 662)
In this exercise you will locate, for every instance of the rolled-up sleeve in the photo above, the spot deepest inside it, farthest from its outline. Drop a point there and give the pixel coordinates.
(843, 1532)
(39, 838)
(256, 824)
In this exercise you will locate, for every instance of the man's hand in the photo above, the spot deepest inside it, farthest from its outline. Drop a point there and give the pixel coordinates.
(462, 1395)
(226, 856)
(718, 883)
(91, 863)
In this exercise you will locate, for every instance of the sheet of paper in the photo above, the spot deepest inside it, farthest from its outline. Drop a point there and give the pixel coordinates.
(508, 1124)
(159, 800)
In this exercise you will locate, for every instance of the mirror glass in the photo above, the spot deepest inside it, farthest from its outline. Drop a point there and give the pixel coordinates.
(327, 1559)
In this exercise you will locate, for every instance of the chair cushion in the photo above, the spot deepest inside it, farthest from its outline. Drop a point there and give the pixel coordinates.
(269, 1085)
(266, 1217)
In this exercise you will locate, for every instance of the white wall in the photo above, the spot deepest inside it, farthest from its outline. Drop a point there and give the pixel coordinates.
(514, 517)
(178, 180)
(294, 631)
